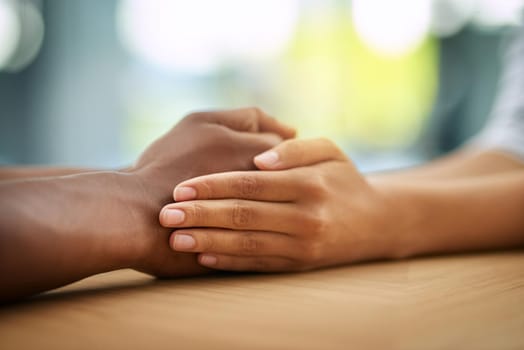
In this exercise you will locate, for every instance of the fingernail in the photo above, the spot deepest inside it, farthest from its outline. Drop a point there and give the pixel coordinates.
(268, 158)
(174, 216)
(208, 260)
(185, 193)
(184, 242)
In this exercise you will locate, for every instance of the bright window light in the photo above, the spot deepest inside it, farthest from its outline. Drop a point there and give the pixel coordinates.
(492, 13)
(199, 35)
(392, 28)
(32, 36)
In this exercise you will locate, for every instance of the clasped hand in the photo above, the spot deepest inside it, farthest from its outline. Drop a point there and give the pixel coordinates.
(308, 207)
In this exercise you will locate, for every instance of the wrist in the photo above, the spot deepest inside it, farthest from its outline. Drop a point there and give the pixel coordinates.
(123, 215)
(405, 219)
(141, 199)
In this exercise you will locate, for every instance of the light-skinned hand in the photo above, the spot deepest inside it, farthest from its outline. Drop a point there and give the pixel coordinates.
(309, 207)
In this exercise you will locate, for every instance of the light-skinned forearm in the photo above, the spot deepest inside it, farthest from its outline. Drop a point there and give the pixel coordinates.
(475, 213)
(464, 162)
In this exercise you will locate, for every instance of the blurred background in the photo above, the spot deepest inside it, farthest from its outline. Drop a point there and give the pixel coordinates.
(91, 83)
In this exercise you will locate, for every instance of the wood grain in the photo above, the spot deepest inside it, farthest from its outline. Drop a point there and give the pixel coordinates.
(453, 302)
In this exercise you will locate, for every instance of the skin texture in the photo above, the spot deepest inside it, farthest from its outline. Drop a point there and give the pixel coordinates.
(311, 208)
(28, 172)
(70, 227)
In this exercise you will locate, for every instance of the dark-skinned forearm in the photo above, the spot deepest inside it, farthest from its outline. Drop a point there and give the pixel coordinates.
(57, 230)
(27, 172)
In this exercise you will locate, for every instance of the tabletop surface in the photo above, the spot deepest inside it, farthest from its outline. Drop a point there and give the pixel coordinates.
(449, 302)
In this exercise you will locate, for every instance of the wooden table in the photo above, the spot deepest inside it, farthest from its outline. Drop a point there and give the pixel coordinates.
(452, 302)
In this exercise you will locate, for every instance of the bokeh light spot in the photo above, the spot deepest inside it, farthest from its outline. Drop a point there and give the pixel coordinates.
(9, 32)
(392, 28)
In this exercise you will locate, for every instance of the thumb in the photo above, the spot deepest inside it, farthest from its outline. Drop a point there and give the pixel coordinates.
(297, 153)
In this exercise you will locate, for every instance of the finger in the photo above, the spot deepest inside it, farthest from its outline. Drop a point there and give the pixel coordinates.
(243, 263)
(230, 242)
(260, 140)
(298, 153)
(234, 214)
(250, 120)
(253, 185)
(270, 124)
(254, 143)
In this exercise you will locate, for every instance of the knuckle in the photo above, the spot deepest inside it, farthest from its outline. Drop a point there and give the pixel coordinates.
(205, 189)
(331, 147)
(249, 244)
(241, 215)
(257, 111)
(195, 116)
(315, 223)
(326, 142)
(295, 150)
(315, 185)
(246, 186)
(207, 243)
(196, 213)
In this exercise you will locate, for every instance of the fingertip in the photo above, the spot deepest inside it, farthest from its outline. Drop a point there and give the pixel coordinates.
(285, 131)
(172, 240)
(184, 193)
(289, 132)
(272, 124)
(267, 160)
(171, 217)
(207, 260)
(182, 242)
(162, 216)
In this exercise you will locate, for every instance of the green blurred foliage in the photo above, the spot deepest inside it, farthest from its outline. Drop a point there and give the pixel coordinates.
(333, 84)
